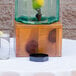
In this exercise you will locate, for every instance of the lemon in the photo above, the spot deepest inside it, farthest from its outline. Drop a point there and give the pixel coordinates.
(37, 3)
(1, 33)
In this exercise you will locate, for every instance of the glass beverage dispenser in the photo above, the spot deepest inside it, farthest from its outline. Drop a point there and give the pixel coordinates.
(38, 30)
(37, 11)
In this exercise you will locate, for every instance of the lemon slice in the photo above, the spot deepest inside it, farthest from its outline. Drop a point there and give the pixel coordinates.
(1, 33)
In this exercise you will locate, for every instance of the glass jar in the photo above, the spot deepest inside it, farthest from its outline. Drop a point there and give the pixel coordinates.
(37, 11)
(4, 44)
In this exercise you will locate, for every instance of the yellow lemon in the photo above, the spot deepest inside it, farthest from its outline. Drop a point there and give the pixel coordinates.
(1, 33)
(40, 2)
(37, 3)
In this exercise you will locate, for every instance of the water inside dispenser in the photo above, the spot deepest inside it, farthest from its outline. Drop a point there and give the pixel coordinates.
(37, 11)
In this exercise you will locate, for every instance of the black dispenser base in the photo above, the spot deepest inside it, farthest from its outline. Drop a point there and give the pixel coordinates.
(39, 57)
